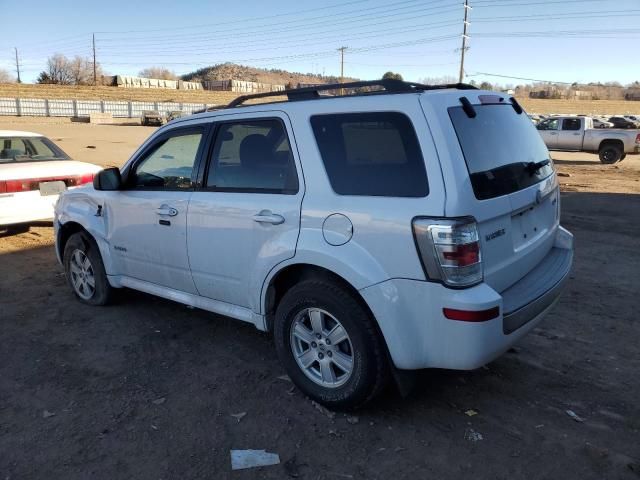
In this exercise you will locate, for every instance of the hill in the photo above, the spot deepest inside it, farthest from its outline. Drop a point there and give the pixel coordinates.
(231, 71)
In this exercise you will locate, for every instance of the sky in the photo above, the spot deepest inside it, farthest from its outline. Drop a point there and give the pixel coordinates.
(553, 40)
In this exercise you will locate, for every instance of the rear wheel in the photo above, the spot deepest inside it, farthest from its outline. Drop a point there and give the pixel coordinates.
(85, 271)
(329, 345)
(610, 153)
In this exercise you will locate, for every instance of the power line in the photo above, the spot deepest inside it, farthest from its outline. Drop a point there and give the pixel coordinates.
(476, 74)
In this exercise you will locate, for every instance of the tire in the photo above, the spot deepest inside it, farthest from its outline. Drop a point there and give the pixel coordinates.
(85, 271)
(624, 155)
(326, 380)
(610, 153)
(15, 229)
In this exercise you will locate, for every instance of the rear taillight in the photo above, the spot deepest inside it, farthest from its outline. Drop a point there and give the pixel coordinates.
(30, 184)
(449, 250)
(638, 138)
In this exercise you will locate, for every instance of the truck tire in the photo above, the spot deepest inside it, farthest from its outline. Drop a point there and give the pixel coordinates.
(329, 344)
(610, 153)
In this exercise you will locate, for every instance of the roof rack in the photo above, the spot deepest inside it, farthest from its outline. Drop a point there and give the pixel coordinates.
(389, 85)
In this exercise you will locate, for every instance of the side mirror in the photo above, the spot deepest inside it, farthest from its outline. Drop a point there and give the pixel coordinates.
(108, 179)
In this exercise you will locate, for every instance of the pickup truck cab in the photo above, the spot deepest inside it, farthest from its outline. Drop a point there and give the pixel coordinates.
(374, 232)
(578, 134)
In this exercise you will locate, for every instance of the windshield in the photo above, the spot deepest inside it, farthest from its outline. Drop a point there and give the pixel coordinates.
(503, 150)
(29, 149)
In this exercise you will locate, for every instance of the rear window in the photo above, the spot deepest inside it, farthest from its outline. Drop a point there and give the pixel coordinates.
(29, 149)
(500, 148)
(371, 154)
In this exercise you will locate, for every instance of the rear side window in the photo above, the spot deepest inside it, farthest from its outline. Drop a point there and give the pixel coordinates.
(501, 149)
(371, 154)
(253, 156)
(571, 124)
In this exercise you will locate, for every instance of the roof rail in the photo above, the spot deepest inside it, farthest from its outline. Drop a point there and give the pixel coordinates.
(389, 85)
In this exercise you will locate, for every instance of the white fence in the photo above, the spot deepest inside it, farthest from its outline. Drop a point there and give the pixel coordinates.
(37, 107)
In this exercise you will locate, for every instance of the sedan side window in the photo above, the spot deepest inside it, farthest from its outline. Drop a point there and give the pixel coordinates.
(170, 163)
(252, 156)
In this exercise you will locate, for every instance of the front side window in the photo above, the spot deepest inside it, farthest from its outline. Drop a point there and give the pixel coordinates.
(252, 156)
(548, 125)
(170, 163)
(371, 154)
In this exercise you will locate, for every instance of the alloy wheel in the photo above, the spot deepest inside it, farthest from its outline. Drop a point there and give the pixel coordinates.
(321, 347)
(82, 275)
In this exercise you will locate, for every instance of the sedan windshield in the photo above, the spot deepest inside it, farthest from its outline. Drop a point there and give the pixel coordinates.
(29, 149)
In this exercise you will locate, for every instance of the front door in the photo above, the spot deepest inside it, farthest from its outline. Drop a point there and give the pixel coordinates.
(548, 130)
(246, 217)
(570, 134)
(147, 220)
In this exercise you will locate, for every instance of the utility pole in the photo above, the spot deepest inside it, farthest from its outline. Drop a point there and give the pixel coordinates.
(93, 37)
(341, 50)
(464, 39)
(17, 64)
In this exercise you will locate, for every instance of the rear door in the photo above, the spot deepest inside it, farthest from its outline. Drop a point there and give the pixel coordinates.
(498, 170)
(245, 218)
(571, 133)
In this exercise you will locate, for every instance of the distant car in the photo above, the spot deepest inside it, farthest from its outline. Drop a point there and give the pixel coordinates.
(33, 171)
(599, 123)
(175, 114)
(152, 117)
(621, 122)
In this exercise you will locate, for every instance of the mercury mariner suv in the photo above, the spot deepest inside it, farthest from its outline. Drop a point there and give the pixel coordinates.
(391, 226)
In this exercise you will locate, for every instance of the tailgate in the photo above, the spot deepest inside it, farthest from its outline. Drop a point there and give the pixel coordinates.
(498, 170)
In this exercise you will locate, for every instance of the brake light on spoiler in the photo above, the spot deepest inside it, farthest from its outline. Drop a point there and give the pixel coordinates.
(30, 184)
(449, 250)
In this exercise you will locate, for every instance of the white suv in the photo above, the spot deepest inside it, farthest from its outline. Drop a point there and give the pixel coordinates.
(372, 232)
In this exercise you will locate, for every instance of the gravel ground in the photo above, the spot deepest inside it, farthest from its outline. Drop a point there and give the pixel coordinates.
(147, 388)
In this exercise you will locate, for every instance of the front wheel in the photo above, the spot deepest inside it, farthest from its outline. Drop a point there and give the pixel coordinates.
(610, 154)
(85, 271)
(329, 345)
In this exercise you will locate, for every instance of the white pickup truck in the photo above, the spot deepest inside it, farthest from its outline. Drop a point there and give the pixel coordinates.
(578, 134)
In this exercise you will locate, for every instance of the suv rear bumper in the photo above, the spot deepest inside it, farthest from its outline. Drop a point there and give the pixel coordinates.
(418, 335)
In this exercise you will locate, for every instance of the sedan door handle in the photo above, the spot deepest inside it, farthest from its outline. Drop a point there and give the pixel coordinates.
(265, 216)
(168, 211)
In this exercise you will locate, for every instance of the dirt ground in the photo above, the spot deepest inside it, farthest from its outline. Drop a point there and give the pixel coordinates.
(146, 388)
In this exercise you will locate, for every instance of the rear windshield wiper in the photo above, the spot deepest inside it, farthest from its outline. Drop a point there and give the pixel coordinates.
(533, 167)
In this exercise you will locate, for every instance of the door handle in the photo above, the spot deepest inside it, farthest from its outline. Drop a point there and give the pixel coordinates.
(553, 133)
(265, 216)
(577, 133)
(166, 210)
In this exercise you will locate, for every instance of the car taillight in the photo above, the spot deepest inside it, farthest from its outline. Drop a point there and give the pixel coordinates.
(30, 184)
(638, 138)
(449, 250)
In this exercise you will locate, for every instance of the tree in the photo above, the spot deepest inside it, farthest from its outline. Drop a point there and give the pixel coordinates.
(63, 71)
(6, 77)
(392, 76)
(159, 73)
(486, 86)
